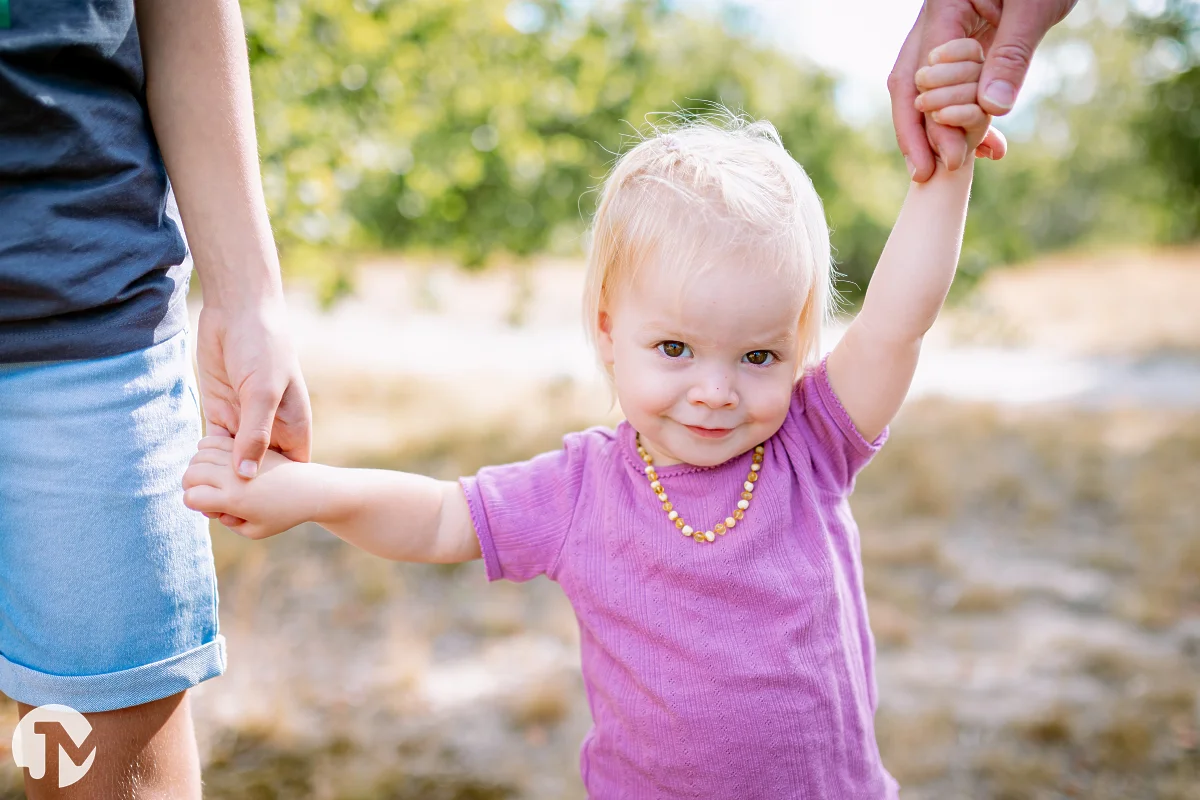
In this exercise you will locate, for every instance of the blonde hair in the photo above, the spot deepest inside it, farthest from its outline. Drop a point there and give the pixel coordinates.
(671, 198)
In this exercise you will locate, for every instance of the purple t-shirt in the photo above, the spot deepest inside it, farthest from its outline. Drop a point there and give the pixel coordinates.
(743, 668)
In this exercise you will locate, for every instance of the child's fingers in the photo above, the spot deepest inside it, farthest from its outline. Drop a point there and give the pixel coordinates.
(216, 442)
(935, 99)
(205, 499)
(993, 146)
(249, 530)
(212, 455)
(965, 116)
(957, 50)
(940, 75)
(207, 474)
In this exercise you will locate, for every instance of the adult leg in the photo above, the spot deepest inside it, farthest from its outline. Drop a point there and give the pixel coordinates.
(147, 751)
(108, 596)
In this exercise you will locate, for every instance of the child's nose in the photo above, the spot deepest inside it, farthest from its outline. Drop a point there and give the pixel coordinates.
(715, 392)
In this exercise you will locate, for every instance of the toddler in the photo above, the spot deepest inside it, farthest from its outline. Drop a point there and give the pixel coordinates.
(706, 544)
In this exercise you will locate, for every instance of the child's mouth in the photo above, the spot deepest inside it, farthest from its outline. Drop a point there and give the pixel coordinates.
(709, 433)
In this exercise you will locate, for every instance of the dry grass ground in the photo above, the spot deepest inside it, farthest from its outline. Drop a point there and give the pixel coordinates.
(1033, 578)
(1043, 569)
(1109, 303)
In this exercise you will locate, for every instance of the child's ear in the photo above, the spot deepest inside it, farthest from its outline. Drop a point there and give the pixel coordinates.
(604, 340)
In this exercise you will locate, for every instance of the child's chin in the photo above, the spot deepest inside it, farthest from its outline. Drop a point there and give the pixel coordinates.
(710, 453)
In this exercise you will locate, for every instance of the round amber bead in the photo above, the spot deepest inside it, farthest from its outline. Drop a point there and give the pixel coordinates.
(667, 506)
(752, 477)
(747, 496)
(698, 536)
(719, 528)
(739, 514)
(679, 523)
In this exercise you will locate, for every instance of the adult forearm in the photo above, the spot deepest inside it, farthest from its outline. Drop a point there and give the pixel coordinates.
(398, 515)
(917, 266)
(198, 91)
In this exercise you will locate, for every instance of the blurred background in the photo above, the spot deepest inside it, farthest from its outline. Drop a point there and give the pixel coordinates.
(1031, 533)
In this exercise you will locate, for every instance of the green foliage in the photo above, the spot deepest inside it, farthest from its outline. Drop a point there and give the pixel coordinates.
(1110, 154)
(1170, 127)
(479, 129)
(438, 125)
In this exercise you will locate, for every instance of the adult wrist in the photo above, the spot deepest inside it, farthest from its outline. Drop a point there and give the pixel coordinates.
(243, 300)
(239, 286)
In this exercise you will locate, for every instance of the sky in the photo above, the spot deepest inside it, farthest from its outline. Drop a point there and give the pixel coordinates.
(858, 41)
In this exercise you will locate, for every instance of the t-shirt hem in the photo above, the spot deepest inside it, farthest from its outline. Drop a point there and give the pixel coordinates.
(487, 546)
(78, 343)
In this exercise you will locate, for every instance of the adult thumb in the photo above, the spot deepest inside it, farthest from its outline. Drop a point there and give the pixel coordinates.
(1022, 26)
(258, 406)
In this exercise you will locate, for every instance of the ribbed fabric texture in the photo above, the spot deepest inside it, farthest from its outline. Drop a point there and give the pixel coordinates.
(738, 669)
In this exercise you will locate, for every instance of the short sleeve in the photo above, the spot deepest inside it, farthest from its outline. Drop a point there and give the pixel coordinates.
(817, 427)
(522, 511)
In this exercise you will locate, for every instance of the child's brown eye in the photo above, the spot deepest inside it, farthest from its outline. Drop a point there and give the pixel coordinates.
(673, 349)
(759, 357)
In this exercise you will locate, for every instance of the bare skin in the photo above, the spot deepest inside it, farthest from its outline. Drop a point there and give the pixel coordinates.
(147, 751)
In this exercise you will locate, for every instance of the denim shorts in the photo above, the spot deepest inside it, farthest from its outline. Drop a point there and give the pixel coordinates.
(108, 592)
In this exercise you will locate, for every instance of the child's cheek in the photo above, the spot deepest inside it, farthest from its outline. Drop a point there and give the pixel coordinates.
(768, 398)
(646, 385)
(652, 388)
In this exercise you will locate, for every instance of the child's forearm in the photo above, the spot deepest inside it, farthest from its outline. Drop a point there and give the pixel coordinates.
(918, 263)
(397, 515)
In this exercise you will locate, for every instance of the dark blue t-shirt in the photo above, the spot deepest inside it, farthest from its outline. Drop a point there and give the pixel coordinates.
(91, 263)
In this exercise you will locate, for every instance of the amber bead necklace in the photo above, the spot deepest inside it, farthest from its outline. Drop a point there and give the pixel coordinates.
(721, 528)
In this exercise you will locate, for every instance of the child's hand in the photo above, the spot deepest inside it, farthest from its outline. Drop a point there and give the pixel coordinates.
(284, 494)
(949, 87)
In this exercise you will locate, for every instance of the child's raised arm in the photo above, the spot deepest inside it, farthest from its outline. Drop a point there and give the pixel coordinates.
(395, 515)
(872, 366)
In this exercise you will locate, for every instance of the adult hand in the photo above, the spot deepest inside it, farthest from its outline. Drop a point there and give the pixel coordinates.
(251, 385)
(1008, 30)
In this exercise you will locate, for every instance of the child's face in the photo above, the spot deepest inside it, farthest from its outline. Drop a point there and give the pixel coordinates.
(720, 353)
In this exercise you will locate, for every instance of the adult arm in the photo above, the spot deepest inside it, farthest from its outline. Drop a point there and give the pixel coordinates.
(198, 92)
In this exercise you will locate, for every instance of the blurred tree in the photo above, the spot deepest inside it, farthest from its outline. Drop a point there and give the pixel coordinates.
(1170, 126)
(480, 127)
(1109, 151)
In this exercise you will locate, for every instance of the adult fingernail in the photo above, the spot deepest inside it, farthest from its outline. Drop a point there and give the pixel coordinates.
(248, 468)
(912, 170)
(1000, 93)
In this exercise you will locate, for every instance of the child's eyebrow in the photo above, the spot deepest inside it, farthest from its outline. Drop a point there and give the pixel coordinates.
(659, 331)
